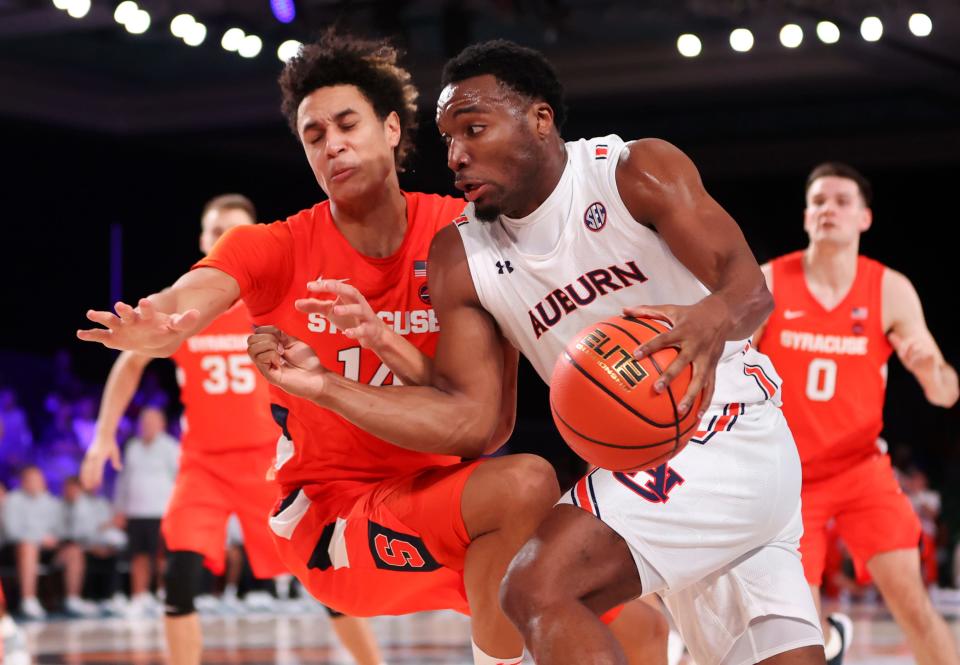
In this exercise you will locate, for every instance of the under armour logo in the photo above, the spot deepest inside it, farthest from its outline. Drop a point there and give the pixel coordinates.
(504, 265)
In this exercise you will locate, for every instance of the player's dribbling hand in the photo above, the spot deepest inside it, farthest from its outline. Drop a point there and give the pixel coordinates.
(101, 450)
(345, 307)
(286, 362)
(699, 332)
(141, 328)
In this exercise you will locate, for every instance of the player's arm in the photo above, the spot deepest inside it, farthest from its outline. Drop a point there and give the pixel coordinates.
(911, 339)
(662, 189)
(121, 385)
(458, 414)
(160, 323)
(767, 270)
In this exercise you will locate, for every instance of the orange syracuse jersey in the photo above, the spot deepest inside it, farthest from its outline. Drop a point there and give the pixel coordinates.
(833, 364)
(226, 403)
(272, 264)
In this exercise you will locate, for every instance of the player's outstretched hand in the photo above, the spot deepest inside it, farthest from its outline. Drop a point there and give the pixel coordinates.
(699, 332)
(102, 449)
(141, 328)
(286, 362)
(345, 307)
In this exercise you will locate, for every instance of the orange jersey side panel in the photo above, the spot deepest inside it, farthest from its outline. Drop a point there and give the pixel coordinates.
(833, 365)
(226, 403)
(273, 263)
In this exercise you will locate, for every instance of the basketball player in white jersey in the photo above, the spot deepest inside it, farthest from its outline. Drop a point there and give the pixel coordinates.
(557, 236)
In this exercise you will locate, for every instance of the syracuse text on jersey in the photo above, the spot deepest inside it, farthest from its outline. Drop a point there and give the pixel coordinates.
(414, 322)
(843, 345)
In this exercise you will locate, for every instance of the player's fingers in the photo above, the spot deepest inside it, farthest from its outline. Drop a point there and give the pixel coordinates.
(147, 310)
(707, 393)
(666, 313)
(126, 313)
(895, 340)
(116, 461)
(95, 335)
(661, 341)
(671, 372)
(697, 384)
(105, 319)
(313, 306)
(266, 330)
(348, 310)
(185, 320)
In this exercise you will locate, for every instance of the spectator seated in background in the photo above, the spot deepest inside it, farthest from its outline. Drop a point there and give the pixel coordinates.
(150, 463)
(33, 522)
(88, 521)
(16, 438)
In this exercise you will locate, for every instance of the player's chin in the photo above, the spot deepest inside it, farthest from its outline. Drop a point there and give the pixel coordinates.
(486, 211)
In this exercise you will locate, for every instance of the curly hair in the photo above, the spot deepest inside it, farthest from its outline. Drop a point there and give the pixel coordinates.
(371, 66)
(521, 69)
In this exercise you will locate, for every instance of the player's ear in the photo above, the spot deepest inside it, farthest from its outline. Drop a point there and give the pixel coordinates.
(867, 220)
(543, 116)
(391, 129)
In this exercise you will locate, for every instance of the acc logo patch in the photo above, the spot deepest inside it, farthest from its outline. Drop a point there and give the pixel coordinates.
(595, 216)
(424, 294)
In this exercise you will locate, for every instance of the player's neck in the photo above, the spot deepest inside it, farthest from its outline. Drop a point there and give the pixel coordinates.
(376, 225)
(552, 169)
(831, 266)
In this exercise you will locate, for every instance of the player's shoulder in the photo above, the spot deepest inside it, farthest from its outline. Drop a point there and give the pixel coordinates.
(437, 210)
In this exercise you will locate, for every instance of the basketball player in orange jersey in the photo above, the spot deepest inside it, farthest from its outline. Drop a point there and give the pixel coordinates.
(368, 527)
(838, 317)
(557, 235)
(229, 442)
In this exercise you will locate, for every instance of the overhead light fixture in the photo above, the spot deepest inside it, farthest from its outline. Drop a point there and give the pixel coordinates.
(196, 33)
(78, 8)
(920, 25)
(124, 11)
(871, 29)
(741, 40)
(138, 23)
(289, 49)
(250, 46)
(232, 39)
(791, 35)
(689, 45)
(180, 24)
(283, 10)
(828, 32)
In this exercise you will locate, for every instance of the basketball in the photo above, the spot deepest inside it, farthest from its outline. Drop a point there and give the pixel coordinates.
(603, 401)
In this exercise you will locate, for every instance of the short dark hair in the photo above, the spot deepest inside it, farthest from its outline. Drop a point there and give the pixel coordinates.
(841, 170)
(521, 69)
(371, 66)
(230, 202)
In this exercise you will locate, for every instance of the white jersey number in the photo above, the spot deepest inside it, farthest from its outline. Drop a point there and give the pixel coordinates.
(232, 372)
(351, 367)
(821, 379)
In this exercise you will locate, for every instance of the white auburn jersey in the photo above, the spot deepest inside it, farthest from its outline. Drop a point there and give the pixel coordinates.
(602, 261)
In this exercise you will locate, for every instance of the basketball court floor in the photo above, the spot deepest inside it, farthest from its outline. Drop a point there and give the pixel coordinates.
(302, 636)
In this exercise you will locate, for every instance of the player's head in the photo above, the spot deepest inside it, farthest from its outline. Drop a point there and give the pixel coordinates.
(838, 204)
(222, 213)
(151, 423)
(354, 109)
(32, 480)
(500, 113)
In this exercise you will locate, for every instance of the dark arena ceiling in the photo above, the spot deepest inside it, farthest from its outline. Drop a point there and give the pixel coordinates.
(619, 61)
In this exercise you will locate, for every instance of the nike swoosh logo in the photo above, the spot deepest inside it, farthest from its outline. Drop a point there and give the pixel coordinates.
(792, 314)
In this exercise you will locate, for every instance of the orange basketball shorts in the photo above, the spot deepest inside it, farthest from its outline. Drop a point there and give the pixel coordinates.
(397, 548)
(870, 513)
(208, 489)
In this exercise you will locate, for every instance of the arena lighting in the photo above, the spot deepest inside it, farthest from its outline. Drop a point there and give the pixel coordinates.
(138, 23)
(78, 8)
(181, 24)
(871, 29)
(250, 46)
(196, 33)
(920, 25)
(741, 40)
(283, 10)
(791, 35)
(61, 4)
(689, 45)
(232, 39)
(124, 11)
(828, 32)
(288, 49)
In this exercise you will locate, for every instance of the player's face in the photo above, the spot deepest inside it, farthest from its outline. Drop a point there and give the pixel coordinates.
(835, 212)
(217, 222)
(152, 423)
(492, 145)
(350, 149)
(33, 482)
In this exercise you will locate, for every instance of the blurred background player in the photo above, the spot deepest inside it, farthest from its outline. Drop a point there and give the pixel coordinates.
(229, 441)
(838, 317)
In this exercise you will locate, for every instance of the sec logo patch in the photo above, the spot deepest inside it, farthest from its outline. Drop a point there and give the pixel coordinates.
(595, 217)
